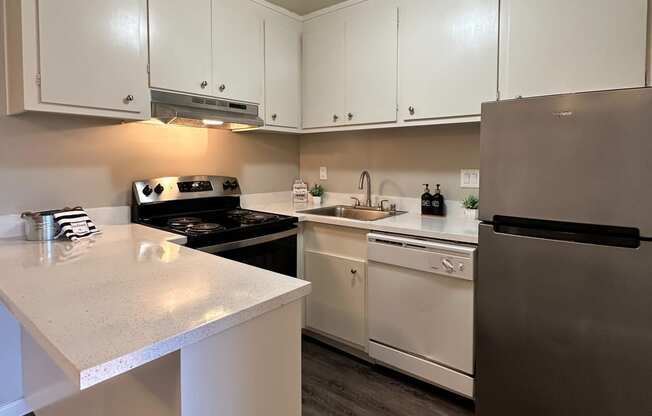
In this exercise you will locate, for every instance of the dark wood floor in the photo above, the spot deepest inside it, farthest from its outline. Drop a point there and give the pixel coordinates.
(337, 384)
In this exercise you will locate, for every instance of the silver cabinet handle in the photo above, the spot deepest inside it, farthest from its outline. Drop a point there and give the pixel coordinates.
(350, 116)
(411, 110)
(222, 87)
(203, 84)
(274, 116)
(129, 98)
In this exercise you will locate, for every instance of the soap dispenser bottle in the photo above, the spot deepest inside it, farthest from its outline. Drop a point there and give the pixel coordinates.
(438, 206)
(426, 201)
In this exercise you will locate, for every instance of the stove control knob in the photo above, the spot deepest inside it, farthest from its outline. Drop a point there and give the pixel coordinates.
(226, 185)
(159, 189)
(234, 185)
(147, 190)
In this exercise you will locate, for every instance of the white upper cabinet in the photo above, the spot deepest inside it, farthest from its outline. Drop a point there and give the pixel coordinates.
(371, 47)
(78, 57)
(560, 46)
(448, 57)
(323, 72)
(180, 45)
(238, 68)
(349, 66)
(282, 71)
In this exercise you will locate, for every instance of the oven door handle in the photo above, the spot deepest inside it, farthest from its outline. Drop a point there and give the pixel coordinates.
(219, 248)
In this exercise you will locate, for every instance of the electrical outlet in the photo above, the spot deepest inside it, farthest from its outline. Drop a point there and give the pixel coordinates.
(323, 173)
(470, 178)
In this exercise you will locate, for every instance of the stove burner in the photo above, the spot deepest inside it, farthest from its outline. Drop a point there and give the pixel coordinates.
(257, 218)
(238, 213)
(182, 223)
(247, 217)
(204, 228)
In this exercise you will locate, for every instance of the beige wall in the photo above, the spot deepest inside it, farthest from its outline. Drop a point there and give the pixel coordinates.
(51, 161)
(399, 160)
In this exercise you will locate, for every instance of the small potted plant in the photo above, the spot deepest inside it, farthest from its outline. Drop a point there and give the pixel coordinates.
(317, 192)
(471, 204)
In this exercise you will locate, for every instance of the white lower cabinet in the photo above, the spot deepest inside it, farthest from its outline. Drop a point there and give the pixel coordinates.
(336, 305)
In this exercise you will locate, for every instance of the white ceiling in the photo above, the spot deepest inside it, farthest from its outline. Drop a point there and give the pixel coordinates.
(303, 7)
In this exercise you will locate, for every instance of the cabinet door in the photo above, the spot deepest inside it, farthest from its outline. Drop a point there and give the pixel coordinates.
(448, 57)
(282, 72)
(371, 57)
(94, 54)
(323, 72)
(237, 51)
(336, 305)
(559, 46)
(180, 45)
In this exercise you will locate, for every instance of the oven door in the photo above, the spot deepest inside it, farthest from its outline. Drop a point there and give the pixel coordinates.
(275, 252)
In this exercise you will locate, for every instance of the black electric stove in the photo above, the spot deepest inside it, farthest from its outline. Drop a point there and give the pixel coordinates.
(206, 210)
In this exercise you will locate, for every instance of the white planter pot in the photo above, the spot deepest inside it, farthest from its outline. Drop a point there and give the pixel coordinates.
(471, 213)
(316, 200)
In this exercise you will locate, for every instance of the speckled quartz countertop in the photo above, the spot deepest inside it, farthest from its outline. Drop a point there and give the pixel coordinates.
(101, 307)
(452, 227)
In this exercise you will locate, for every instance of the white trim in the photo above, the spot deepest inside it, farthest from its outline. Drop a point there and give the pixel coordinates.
(415, 123)
(17, 408)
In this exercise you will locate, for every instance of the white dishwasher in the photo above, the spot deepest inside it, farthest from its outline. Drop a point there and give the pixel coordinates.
(420, 308)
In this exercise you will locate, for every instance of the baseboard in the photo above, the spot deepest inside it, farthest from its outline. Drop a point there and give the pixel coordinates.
(17, 408)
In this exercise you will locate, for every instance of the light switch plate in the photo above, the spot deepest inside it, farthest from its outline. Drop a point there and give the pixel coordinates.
(323, 173)
(470, 178)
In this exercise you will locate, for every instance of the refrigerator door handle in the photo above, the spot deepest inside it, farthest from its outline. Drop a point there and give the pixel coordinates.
(563, 231)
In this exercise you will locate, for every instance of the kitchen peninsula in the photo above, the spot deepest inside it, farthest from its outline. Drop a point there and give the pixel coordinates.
(131, 320)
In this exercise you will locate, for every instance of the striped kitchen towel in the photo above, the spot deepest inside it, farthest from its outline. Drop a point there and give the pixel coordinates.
(75, 224)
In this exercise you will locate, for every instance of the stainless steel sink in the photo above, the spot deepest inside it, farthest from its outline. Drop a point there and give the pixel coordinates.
(353, 213)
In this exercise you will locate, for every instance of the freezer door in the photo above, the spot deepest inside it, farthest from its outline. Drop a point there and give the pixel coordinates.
(582, 158)
(563, 328)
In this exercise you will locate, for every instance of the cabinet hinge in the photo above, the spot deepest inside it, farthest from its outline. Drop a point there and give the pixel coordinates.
(498, 95)
(37, 78)
(147, 69)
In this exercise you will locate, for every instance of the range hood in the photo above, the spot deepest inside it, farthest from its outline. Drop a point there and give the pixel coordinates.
(195, 111)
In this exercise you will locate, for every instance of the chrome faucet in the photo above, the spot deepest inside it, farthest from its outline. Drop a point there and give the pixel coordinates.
(364, 175)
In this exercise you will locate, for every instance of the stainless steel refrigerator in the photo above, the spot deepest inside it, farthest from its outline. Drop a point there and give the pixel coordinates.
(564, 288)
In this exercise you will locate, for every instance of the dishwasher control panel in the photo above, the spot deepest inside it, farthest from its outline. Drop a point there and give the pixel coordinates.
(434, 256)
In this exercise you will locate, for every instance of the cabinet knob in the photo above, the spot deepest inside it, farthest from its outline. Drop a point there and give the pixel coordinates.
(411, 110)
(204, 84)
(274, 116)
(129, 98)
(354, 271)
(222, 87)
(335, 117)
(350, 116)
